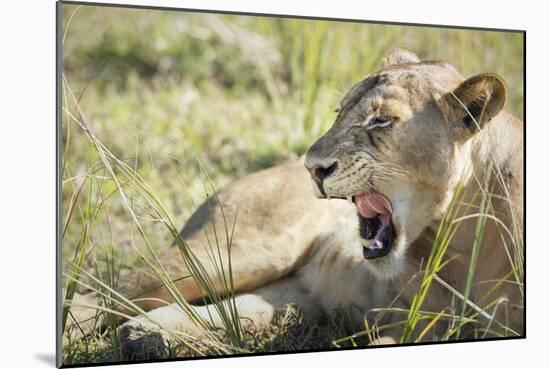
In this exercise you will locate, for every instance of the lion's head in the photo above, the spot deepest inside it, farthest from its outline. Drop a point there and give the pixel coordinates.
(399, 145)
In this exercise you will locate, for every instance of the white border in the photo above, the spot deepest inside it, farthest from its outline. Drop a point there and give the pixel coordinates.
(28, 180)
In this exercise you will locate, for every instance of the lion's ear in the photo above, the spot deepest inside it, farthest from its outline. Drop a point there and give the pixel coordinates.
(475, 102)
(399, 56)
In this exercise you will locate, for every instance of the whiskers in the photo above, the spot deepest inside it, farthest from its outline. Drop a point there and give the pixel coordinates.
(382, 170)
(385, 171)
(362, 172)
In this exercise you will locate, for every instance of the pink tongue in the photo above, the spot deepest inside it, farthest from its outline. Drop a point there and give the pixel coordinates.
(372, 204)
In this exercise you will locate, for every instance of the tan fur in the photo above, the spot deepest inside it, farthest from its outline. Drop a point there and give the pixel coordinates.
(290, 247)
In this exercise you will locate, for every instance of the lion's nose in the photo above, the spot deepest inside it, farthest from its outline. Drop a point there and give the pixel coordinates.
(320, 172)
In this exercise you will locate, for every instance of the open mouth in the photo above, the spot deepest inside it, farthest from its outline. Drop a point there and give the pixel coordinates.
(375, 226)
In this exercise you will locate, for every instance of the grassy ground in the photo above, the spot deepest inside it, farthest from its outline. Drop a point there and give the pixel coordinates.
(165, 90)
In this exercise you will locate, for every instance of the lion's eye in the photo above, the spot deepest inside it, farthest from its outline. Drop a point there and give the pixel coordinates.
(338, 110)
(380, 122)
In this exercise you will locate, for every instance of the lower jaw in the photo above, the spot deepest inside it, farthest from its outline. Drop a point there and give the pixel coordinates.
(370, 253)
(377, 242)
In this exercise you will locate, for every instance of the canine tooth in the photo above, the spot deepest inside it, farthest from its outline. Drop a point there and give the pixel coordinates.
(379, 244)
(349, 199)
(328, 197)
(366, 243)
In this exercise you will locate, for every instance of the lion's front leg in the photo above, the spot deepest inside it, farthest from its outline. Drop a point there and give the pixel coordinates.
(148, 336)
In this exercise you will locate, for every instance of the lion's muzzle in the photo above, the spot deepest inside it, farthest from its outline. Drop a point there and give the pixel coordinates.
(319, 172)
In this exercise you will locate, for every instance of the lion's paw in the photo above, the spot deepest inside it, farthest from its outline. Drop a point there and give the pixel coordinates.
(140, 343)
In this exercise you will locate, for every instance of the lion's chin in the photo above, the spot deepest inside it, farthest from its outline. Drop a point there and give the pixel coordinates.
(392, 264)
(387, 268)
(379, 232)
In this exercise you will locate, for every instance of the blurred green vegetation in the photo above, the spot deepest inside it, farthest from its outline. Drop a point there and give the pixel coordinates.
(241, 93)
(163, 90)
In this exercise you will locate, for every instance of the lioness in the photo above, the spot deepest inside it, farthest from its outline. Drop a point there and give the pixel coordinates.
(383, 178)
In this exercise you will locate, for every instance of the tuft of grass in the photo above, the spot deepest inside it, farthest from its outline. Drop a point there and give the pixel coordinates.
(446, 231)
(119, 173)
